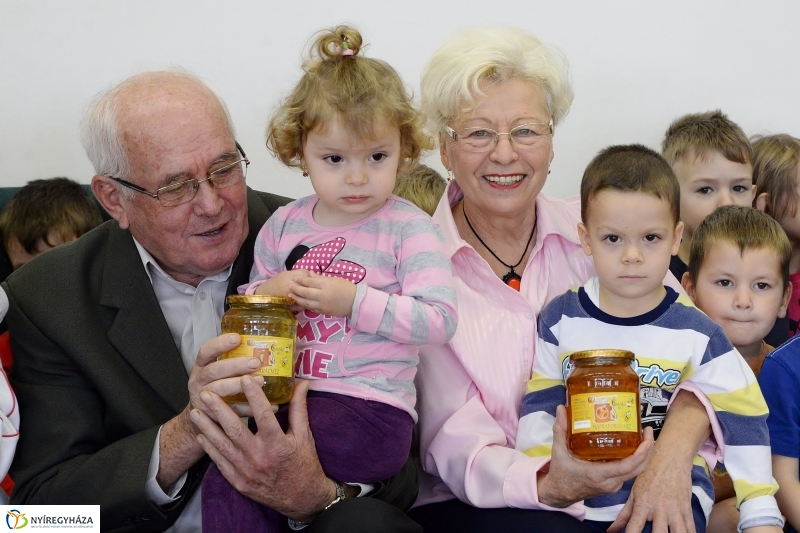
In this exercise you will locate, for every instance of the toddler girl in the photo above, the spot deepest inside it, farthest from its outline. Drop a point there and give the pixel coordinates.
(776, 174)
(368, 269)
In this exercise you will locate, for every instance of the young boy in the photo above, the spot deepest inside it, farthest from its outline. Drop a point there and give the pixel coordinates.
(712, 159)
(630, 227)
(780, 381)
(43, 214)
(739, 276)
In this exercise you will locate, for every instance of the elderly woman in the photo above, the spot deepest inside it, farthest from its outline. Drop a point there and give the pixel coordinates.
(495, 97)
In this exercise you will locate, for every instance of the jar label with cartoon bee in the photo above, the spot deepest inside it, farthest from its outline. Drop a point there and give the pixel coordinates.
(615, 411)
(275, 353)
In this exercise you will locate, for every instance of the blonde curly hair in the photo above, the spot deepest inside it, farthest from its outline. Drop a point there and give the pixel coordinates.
(356, 91)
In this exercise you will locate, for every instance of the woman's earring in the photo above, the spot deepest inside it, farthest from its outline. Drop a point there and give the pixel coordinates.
(305, 172)
(449, 175)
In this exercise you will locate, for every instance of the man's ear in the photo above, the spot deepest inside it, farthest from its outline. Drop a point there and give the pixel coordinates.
(761, 201)
(688, 285)
(108, 194)
(583, 235)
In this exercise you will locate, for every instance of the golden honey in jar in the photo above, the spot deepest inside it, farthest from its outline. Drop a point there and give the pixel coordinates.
(603, 411)
(268, 330)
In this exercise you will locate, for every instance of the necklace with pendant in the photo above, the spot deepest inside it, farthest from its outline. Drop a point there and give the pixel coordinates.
(512, 279)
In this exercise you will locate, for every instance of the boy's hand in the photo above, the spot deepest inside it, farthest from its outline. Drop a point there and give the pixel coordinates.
(663, 493)
(279, 285)
(323, 294)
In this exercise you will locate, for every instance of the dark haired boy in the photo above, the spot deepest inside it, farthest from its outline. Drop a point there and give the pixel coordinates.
(739, 276)
(630, 226)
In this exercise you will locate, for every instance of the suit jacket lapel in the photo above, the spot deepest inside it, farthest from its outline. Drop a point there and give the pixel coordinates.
(140, 332)
(257, 215)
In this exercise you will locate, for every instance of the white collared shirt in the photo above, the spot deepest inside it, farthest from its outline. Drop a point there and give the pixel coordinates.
(204, 305)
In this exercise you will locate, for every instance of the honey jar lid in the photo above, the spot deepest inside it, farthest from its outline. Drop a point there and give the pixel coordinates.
(591, 354)
(259, 299)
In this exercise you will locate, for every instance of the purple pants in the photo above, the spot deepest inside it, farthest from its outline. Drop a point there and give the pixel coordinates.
(357, 441)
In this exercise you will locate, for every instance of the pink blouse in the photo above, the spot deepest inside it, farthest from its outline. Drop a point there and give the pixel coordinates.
(470, 389)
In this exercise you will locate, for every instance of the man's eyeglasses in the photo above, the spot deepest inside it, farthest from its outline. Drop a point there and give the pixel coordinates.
(524, 136)
(183, 191)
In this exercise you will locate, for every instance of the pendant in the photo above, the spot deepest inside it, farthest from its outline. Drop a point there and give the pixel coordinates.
(512, 279)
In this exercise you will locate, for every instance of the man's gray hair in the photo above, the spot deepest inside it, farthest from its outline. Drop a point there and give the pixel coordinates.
(101, 132)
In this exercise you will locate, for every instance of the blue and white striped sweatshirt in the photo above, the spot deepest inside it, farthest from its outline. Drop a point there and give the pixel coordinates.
(674, 342)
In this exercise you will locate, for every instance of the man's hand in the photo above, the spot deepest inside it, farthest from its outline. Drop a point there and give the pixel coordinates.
(178, 447)
(279, 285)
(323, 294)
(570, 480)
(221, 377)
(280, 471)
(663, 493)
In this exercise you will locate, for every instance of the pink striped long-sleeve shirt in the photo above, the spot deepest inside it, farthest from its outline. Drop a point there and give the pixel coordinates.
(404, 296)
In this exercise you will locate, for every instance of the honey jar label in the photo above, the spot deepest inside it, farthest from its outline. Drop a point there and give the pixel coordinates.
(275, 354)
(615, 411)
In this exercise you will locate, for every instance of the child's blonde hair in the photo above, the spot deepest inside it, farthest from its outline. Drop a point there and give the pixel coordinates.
(356, 91)
(776, 171)
(744, 227)
(698, 134)
(421, 186)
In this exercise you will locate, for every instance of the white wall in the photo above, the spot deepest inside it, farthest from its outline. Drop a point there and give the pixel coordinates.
(636, 65)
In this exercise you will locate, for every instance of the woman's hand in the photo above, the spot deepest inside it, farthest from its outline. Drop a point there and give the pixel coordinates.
(570, 480)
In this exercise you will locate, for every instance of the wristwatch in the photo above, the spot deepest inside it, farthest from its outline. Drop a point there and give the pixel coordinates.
(296, 525)
(340, 495)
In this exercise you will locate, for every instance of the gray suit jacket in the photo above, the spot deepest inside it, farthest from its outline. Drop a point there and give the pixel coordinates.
(96, 373)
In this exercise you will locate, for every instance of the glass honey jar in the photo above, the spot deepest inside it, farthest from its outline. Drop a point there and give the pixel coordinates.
(603, 410)
(268, 330)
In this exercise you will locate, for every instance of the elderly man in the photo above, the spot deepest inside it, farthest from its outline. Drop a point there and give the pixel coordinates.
(115, 336)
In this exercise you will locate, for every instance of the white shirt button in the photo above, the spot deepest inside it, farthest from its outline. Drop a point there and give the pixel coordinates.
(528, 315)
(203, 295)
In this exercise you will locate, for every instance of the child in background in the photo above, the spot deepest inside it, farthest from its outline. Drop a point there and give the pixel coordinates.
(711, 158)
(780, 382)
(43, 214)
(776, 171)
(422, 186)
(739, 276)
(9, 419)
(40, 216)
(630, 226)
(369, 270)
